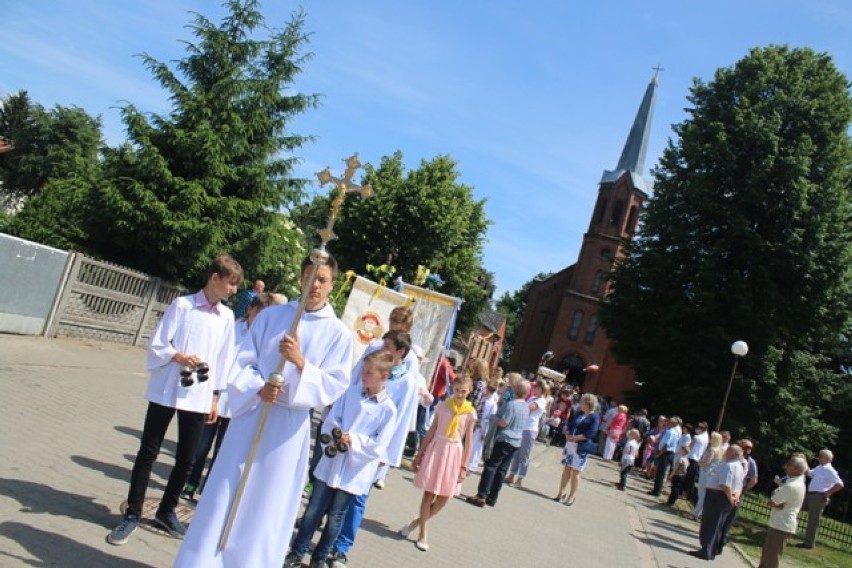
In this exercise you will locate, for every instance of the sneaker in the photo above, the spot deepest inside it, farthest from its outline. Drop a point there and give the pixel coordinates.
(170, 523)
(120, 534)
(292, 561)
(379, 484)
(319, 563)
(337, 559)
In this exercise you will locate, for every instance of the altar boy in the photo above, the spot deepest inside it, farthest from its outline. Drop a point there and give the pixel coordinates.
(365, 415)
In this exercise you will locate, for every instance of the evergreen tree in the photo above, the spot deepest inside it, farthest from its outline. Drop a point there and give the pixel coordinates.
(748, 236)
(48, 179)
(420, 217)
(214, 174)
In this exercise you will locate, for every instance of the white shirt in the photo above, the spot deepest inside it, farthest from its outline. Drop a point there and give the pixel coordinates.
(700, 443)
(531, 424)
(370, 424)
(823, 478)
(628, 454)
(194, 327)
(790, 495)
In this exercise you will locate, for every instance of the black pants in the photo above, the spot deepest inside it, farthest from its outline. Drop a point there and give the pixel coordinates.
(495, 470)
(717, 511)
(157, 419)
(677, 487)
(210, 434)
(663, 463)
(691, 478)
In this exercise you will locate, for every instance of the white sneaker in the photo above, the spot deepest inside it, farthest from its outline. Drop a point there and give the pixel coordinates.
(379, 484)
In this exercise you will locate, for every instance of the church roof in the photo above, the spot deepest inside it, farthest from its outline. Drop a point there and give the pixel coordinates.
(632, 159)
(491, 320)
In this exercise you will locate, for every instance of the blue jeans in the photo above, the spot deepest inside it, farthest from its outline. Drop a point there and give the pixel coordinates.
(323, 499)
(351, 524)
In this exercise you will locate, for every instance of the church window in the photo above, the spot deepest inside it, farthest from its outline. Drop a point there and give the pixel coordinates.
(591, 329)
(574, 332)
(606, 255)
(599, 216)
(631, 220)
(597, 282)
(617, 212)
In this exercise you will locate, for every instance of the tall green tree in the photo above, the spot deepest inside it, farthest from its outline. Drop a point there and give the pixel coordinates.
(748, 236)
(215, 173)
(422, 216)
(55, 143)
(48, 179)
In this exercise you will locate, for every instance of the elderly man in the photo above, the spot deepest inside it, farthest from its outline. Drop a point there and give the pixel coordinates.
(723, 492)
(824, 483)
(664, 457)
(749, 482)
(785, 504)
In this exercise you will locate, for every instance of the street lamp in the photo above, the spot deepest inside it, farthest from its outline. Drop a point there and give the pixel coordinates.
(739, 349)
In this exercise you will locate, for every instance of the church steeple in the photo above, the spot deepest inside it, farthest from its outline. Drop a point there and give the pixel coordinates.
(632, 159)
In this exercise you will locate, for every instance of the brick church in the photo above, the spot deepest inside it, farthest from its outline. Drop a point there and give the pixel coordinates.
(561, 319)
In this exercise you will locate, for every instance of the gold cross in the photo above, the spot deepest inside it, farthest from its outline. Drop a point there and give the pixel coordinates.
(344, 185)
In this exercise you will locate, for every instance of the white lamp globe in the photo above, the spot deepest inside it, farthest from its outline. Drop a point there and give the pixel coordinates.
(739, 348)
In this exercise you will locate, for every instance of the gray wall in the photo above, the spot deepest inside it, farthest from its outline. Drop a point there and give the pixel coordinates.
(30, 278)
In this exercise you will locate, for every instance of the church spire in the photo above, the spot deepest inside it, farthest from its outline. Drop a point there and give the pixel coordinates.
(633, 155)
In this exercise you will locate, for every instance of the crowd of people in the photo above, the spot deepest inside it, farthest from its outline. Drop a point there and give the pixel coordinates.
(216, 375)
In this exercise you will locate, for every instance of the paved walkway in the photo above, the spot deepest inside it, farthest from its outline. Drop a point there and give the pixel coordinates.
(69, 427)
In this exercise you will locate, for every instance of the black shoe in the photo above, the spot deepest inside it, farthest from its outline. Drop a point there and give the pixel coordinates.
(804, 545)
(337, 559)
(491, 502)
(292, 561)
(170, 523)
(697, 554)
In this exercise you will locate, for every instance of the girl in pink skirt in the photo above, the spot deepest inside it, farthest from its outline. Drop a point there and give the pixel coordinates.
(441, 463)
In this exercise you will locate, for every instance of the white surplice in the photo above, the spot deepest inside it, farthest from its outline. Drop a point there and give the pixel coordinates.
(270, 502)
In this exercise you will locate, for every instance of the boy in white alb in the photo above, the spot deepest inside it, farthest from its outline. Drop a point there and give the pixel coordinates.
(195, 329)
(364, 418)
(628, 457)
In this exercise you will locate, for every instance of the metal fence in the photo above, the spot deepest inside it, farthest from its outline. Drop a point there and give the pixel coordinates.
(831, 531)
(107, 302)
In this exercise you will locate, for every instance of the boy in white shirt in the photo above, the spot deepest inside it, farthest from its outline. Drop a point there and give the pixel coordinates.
(628, 457)
(365, 418)
(195, 329)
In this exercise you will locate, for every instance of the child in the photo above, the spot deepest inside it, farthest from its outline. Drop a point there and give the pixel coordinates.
(678, 474)
(195, 329)
(489, 407)
(366, 416)
(628, 456)
(441, 463)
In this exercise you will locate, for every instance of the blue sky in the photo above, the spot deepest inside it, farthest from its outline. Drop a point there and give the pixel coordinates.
(532, 99)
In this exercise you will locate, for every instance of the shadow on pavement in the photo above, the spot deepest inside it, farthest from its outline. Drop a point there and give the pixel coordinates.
(39, 498)
(657, 543)
(169, 446)
(379, 529)
(55, 550)
(532, 492)
(120, 473)
(673, 527)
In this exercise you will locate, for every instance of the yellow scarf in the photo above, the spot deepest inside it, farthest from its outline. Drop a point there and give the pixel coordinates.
(457, 408)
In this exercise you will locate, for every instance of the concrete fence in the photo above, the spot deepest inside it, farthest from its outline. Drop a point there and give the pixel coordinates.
(67, 294)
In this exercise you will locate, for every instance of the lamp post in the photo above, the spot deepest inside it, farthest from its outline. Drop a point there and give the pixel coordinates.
(739, 349)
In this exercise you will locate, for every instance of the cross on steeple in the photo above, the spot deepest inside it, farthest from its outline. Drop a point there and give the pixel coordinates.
(657, 70)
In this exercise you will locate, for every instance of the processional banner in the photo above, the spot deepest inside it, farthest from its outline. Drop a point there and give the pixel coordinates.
(368, 309)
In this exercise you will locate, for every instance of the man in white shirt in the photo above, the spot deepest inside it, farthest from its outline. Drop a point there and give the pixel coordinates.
(697, 446)
(785, 503)
(825, 482)
(724, 488)
(195, 329)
